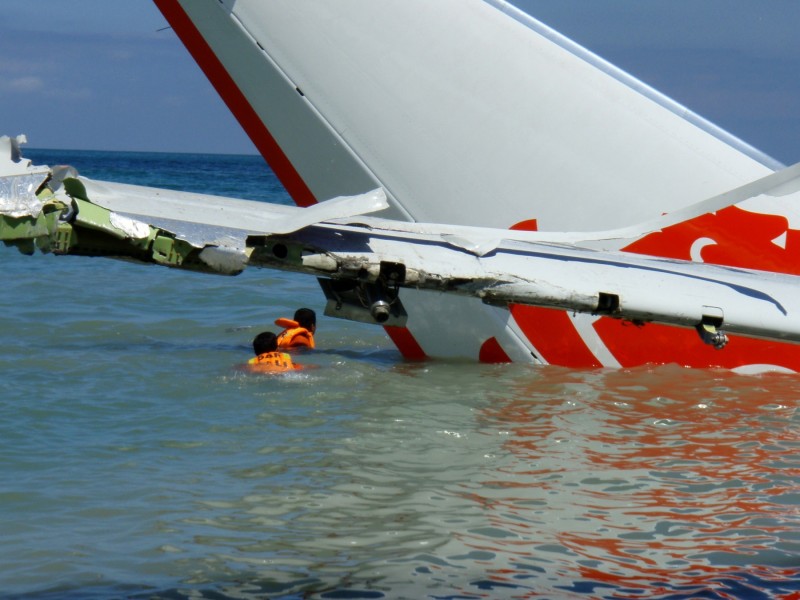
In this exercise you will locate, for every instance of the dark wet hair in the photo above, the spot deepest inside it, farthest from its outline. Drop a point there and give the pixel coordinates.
(305, 317)
(265, 341)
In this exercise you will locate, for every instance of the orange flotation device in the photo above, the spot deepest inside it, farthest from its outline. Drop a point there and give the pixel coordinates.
(293, 336)
(273, 361)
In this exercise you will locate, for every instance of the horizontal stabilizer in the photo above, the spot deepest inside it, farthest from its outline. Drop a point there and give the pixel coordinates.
(371, 265)
(621, 285)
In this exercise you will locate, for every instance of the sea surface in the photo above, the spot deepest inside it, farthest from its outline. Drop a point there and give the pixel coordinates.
(138, 462)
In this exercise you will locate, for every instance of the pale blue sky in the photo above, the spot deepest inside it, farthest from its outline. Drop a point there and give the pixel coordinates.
(98, 74)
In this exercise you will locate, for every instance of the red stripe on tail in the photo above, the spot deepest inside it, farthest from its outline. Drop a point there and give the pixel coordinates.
(406, 343)
(236, 101)
(492, 352)
(554, 336)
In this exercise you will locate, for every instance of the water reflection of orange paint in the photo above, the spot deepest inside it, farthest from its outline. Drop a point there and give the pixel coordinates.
(647, 480)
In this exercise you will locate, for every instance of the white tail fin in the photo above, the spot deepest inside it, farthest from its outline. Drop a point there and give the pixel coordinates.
(465, 112)
(455, 100)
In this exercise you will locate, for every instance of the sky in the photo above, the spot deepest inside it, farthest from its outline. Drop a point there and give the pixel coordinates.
(110, 74)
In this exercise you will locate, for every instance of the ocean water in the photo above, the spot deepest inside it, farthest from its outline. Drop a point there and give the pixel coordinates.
(137, 461)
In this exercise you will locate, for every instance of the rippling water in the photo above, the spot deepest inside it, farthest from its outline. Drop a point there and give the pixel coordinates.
(136, 461)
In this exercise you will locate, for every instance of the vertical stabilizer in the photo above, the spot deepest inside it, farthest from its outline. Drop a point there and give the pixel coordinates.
(465, 112)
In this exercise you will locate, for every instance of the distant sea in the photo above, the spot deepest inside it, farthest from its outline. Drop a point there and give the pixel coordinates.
(138, 462)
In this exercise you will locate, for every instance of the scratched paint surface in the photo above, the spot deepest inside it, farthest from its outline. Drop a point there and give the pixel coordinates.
(138, 462)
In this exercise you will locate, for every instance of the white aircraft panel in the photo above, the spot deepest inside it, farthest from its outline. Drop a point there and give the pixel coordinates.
(465, 111)
(454, 100)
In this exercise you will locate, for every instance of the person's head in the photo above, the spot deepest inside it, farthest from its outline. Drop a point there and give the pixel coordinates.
(306, 317)
(265, 342)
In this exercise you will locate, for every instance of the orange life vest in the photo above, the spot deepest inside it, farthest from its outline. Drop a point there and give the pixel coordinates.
(273, 361)
(293, 336)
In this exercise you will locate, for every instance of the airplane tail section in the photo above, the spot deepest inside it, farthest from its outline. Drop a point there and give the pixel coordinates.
(469, 112)
(465, 111)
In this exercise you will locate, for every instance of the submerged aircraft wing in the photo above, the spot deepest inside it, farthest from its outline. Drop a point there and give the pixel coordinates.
(375, 264)
(365, 263)
(470, 112)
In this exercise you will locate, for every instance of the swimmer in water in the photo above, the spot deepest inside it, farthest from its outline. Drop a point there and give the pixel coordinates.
(267, 356)
(298, 332)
